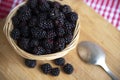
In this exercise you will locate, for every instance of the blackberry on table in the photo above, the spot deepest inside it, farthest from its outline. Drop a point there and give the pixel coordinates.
(61, 15)
(23, 43)
(55, 71)
(38, 33)
(59, 61)
(54, 13)
(30, 63)
(46, 68)
(68, 68)
(15, 34)
(39, 50)
(24, 13)
(32, 3)
(72, 17)
(60, 31)
(33, 43)
(66, 9)
(69, 25)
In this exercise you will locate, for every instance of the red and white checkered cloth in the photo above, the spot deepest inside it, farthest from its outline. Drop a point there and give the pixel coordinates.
(109, 9)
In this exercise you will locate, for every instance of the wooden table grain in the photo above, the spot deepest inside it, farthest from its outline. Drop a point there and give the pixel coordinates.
(93, 28)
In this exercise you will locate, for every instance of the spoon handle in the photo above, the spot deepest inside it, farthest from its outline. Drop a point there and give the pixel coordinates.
(108, 71)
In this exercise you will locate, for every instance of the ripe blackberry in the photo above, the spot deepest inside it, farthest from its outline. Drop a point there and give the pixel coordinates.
(42, 16)
(45, 24)
(59, 44)
(15, 21)
(38, 33)
(30, 63)
(69, 25)
(46, 68)
(60, 31)
(54, 4)
(23, 43)
(44, 7)
(48, 44)
(54, 13)
(35, 11)
(48, 51)
(24, 13)
(32, 3)
(55, 71)
(33, 21)
(68, 38)
(59, 61)
(24, 31)
(68, 68)
(72, 17)
(42, 1)
(61, 15)
(33, 43)
(39, 50)
(66, 9)
(59, 21)
(51, 34)
(15, 34)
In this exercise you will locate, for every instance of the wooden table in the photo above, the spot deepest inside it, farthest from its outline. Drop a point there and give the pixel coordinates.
(93, 28)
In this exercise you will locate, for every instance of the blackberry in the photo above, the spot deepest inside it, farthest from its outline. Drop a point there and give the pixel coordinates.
(46, 24)
(51, 34)
(54, 4)
(48, 51)
(23, 43)
(72, 17)
(32, 3)
(38, 33)
(60, 31)
(66, 9)
(68, 38)
(42, 16)
(34, 43)
(59, 44)
(59, 61)
(39, 50)
(59, 22)
(15, 21)
(30, 63)
(15, 34)
(54, 13)
(42, 1)
(33, 21)
(55, 71)
(46, 68)
(61, 15)
(44, 7)
(48, 44)
(35, 11)
(24, 31)
(68, 68)
(24, 13)
(69, 25)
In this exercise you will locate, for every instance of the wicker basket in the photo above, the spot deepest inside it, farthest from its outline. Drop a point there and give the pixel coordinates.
(8, 28)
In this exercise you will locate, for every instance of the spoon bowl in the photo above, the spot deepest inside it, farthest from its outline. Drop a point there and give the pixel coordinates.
(93, 54)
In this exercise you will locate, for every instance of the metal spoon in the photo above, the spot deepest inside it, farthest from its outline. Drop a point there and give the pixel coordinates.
(93, 54)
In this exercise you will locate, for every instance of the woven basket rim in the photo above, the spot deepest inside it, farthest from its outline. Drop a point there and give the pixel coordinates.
(8, 25)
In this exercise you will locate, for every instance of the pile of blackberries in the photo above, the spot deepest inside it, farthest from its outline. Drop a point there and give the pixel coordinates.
(46, 68)
(43, 27)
